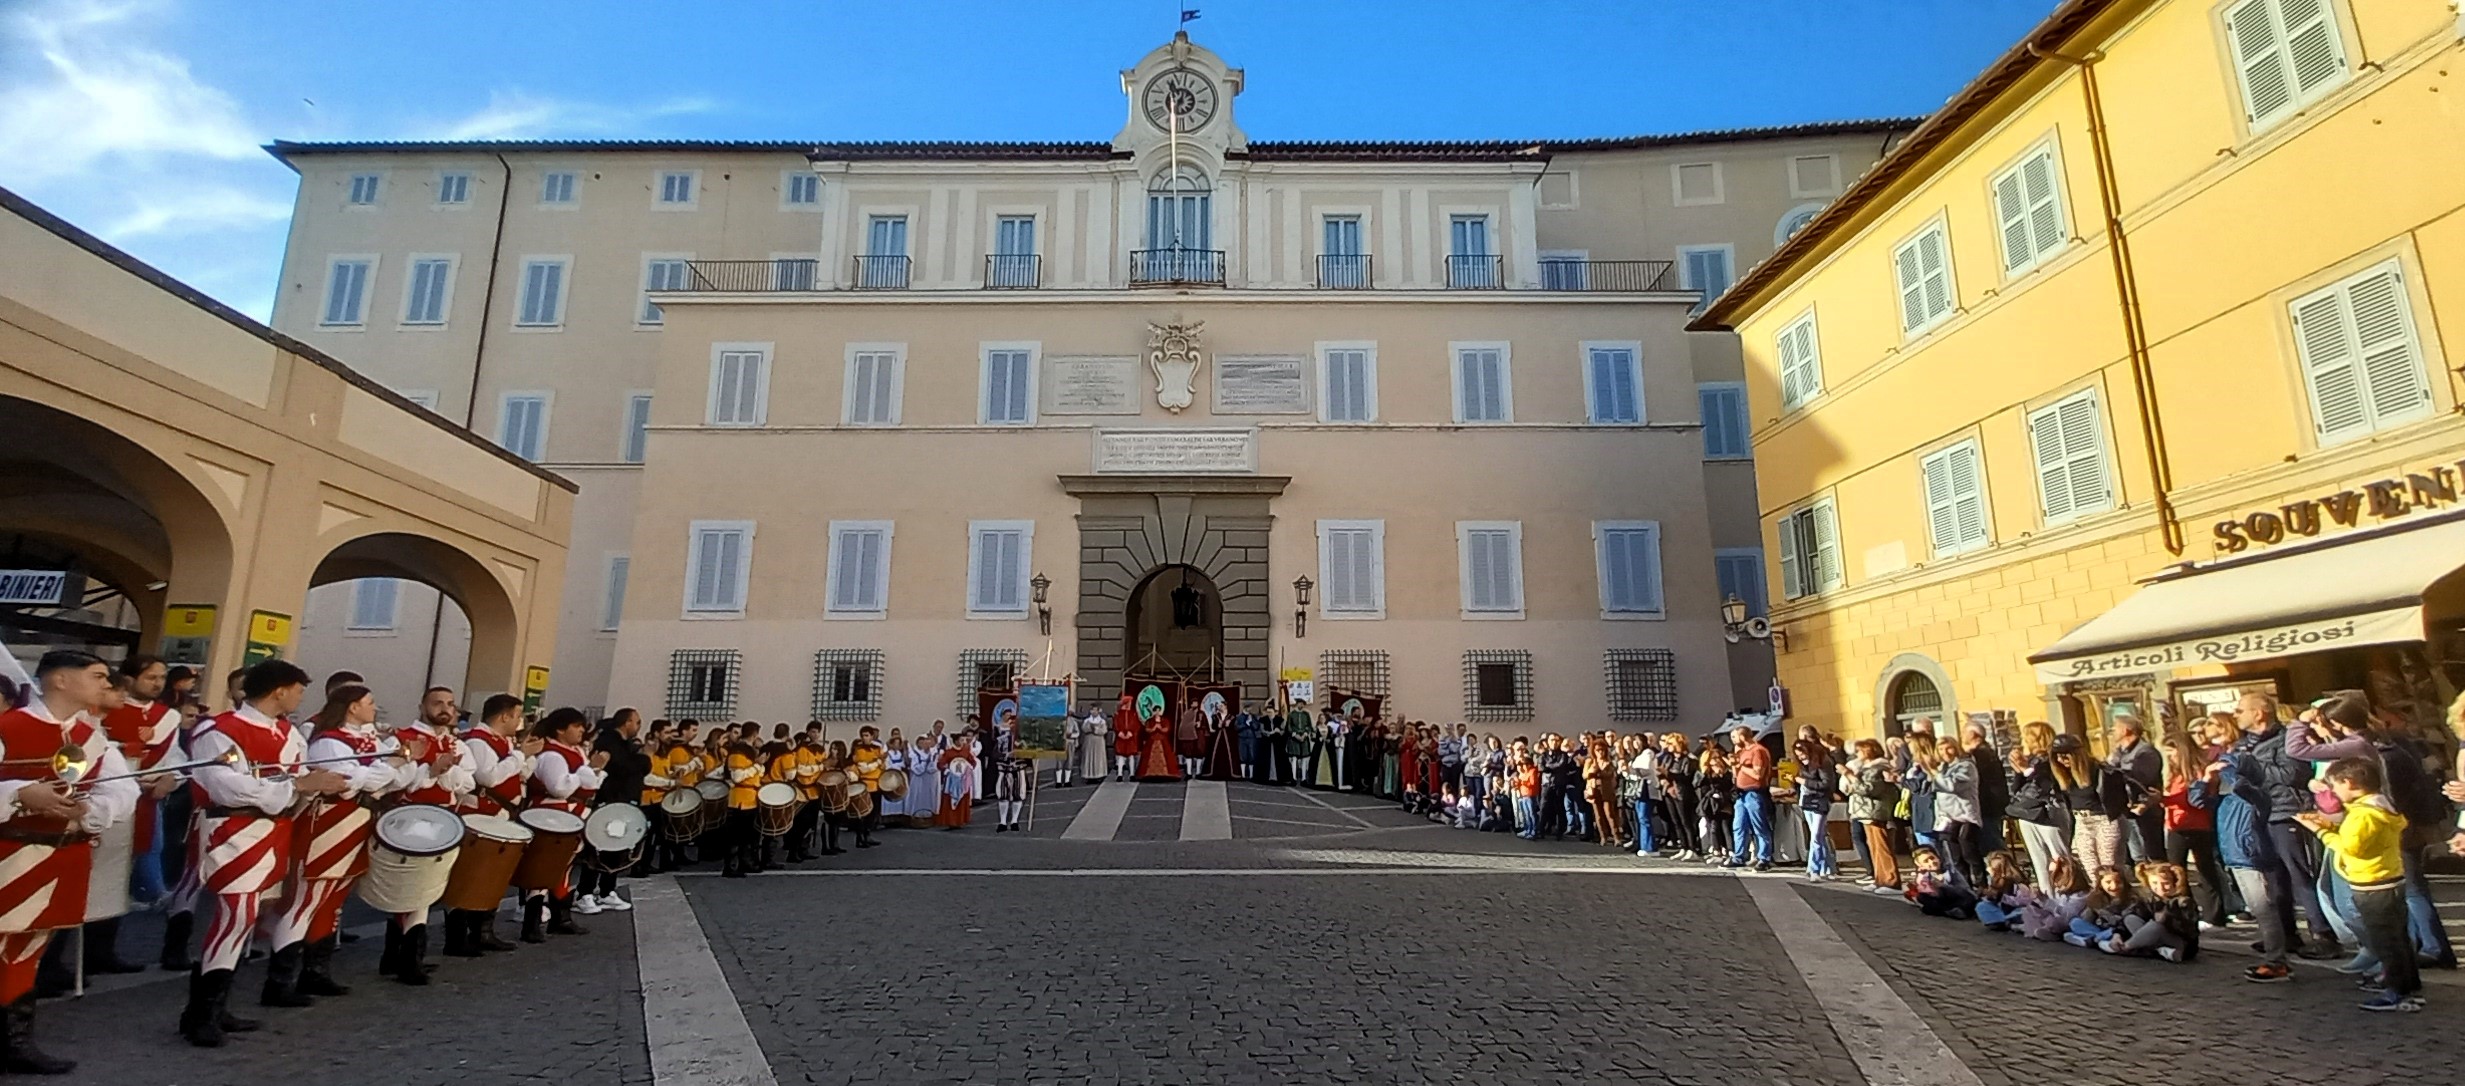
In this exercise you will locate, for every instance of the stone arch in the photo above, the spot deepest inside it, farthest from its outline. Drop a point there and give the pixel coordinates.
(1898, 694)
(131, 513)
(489, 604)
(1129, 527)
(1153, 629)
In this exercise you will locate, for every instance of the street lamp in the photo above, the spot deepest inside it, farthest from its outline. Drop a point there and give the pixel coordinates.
(1044, 614)
(1301, 610)
(1735, 626)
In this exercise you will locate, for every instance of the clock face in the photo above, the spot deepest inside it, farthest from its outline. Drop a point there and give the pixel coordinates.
(1180, 93)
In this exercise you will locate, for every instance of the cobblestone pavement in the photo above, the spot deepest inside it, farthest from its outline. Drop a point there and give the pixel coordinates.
(1333, 939)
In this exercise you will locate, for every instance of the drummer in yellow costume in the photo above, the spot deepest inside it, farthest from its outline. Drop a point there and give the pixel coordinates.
(867, 759)
(744, 777)
(804, 772)
(673, 765)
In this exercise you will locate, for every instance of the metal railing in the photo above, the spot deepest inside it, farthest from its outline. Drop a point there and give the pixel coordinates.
(1154, 267)
(1344, 271)
(1013, 271)
(1475, 273)
(1607, 275)
(882, 272)
(750, 276)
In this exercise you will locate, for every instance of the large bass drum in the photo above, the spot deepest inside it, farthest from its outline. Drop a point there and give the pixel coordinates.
(556, 838)
(615, 833)
(491, 849)
(777, 813)
(411, 858)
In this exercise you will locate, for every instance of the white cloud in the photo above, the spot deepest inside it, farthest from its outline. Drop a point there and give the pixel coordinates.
(78, 89)
(180, 210)
(516, 114)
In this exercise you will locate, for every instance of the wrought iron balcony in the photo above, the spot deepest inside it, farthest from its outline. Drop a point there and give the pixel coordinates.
(882, 272)
(1344, 271)
(1607, 275)
(1475, 273)
(751, 276)
(1013, 271)
(1174, 267)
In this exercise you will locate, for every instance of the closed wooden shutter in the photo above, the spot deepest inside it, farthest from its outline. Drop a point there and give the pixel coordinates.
(2070, 457)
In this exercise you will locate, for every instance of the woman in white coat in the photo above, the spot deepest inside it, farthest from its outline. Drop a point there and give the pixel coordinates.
(924, 778)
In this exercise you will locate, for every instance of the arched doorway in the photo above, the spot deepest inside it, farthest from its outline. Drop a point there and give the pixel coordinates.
(1175, 625)
(1914, 697)
(129, 531)
(471, 645)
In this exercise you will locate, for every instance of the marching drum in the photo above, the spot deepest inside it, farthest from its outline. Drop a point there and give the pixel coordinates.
(412, 858)
(777, 813)
(893, 784)
(684, 810)
(556, 838)
(491, 850)
(861, 803)
(714, 795)
(115, 852)
(832, 786)
(616, 828)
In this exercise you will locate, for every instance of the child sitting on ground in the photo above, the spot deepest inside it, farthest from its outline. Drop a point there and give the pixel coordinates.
(1467, 814)
(2164, 923)
(2048, 917)
(1999, 902)
(2102, 914)
(1938, 892)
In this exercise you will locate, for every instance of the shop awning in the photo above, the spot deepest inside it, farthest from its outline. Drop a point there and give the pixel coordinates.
(2364, 588)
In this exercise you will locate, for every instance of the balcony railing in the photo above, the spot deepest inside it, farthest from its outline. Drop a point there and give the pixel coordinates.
(1606, 275)
(1344, 271)
(1475, 273)
(882, 272)
(1013, 271)
(751, 276)
(1161, 267)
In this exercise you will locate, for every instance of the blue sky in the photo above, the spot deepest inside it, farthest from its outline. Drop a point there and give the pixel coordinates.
(141, 119)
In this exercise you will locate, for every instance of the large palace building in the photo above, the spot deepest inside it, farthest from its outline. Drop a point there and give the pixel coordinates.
(860, 428)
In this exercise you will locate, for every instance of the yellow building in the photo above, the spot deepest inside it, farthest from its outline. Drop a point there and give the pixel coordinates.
(2123, 379)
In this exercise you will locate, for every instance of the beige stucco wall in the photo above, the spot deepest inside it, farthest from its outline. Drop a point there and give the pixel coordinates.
(241, 494)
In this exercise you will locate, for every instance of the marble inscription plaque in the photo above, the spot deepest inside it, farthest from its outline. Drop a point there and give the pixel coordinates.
(1176, 451)
(1091, 385)
(1261, 385)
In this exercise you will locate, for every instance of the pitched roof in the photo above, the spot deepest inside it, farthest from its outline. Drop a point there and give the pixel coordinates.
(2067, 19)
(1088, 150)
(33, 213)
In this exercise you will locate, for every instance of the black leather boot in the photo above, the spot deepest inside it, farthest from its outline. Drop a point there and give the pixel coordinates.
(103, 950)
(18, 1055)
(282, 979)
(412, 967)
(52, 976)
(461, 936)
(483, 932)
(390, 962)
(201, 1020)
(317, 968)
(176, 930)
(560, 917)
(535, 920)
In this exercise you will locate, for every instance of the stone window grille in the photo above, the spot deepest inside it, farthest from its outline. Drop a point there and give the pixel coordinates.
(847, 684)
(1497, 684)
(986, 669)
(1361, 671)
(1642, 684)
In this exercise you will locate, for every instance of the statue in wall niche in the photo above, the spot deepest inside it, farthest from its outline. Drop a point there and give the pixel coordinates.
(1173, 353)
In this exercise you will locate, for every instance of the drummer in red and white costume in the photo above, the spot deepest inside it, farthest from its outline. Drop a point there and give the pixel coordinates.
(563, 779)
(305, 932)
(46, 826)
(443, 776)
(500, 757)
(245, 820)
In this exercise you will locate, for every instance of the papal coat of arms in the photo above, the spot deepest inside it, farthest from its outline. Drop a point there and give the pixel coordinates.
(1173, 353)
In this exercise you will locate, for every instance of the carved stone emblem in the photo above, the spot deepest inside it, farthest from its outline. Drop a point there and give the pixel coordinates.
(1173, 353)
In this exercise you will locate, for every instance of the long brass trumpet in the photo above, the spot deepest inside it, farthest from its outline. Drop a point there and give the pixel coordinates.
(71, 765)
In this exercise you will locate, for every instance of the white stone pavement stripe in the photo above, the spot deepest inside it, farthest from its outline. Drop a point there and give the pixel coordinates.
(1345, 811)
(696, 1030)
(1206, 812)
(1100, 817)
(1891, 1044)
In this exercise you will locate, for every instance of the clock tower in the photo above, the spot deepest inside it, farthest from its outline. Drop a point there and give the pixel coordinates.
(1181, 93)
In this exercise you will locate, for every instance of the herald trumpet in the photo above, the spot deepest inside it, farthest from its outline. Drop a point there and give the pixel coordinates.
(71, 765)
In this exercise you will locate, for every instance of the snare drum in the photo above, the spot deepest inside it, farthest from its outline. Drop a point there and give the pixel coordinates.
(491, 849)
(617, 830)
(411, 860)
(777, 813)
(832, 785)
(860, 804)
(556, 838)
(684, 811)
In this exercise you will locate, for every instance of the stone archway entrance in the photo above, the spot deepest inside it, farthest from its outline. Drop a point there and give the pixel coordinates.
(1173, 625)
(1135, 533)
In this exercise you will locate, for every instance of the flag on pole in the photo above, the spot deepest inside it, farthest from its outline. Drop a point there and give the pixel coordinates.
(1188, 15)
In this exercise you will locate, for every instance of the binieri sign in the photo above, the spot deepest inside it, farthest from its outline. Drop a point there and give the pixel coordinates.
(35, 587)
(2383, 499)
